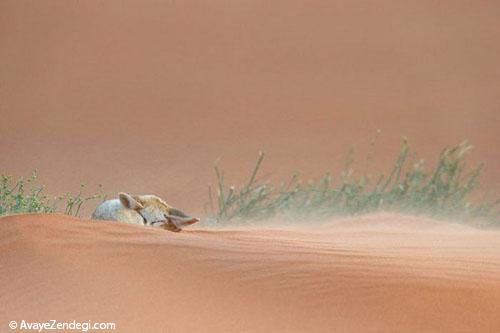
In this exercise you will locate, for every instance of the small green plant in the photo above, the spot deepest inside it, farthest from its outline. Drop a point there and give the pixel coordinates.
(25, 196)
(444, 191)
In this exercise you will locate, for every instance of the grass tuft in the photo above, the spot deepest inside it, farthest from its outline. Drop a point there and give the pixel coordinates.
(448, 190)
(26, 196)
(445, 191)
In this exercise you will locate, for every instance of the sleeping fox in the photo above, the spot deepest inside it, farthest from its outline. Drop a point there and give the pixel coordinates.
(147, 210)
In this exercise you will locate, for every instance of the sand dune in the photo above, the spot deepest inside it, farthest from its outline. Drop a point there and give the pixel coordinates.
(383, 272)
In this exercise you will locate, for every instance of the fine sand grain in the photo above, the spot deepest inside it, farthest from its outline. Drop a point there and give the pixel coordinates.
(380, 273)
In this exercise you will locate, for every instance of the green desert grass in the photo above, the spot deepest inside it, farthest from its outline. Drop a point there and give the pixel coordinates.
(448, 190)
(25, 195)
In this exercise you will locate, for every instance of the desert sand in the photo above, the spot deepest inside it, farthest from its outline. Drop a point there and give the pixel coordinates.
(379, 273)
(145, 96)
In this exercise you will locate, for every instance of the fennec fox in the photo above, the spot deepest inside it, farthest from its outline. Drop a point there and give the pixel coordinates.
(147, 210)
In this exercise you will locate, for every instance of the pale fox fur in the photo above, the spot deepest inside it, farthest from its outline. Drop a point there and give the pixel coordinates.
(147, 210)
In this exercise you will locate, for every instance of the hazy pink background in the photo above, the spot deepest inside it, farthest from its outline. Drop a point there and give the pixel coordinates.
(144, 96)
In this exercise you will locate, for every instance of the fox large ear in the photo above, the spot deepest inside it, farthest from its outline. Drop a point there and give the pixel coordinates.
(128, 201)
(178, 218)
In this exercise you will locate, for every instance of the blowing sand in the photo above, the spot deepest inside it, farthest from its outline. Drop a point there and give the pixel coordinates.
(380, 273)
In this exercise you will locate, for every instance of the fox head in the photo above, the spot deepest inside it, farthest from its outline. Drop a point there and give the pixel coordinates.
(156, 212)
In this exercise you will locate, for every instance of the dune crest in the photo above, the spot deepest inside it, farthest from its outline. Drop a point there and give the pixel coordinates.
(382, 272)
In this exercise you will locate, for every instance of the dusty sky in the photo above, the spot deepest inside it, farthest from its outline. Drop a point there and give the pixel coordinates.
(144, 96)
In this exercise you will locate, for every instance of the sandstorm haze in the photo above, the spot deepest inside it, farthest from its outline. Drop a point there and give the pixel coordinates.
(144, 96)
